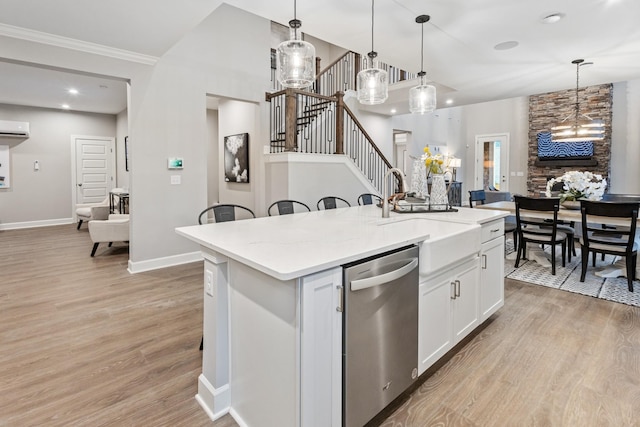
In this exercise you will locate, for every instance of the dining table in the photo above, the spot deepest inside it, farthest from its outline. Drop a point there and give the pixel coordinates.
(617, 269)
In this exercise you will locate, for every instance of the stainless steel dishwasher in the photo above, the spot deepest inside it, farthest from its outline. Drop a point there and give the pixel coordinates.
(380, 332)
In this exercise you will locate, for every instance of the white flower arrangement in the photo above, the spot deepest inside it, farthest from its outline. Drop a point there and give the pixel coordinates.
(579, 185)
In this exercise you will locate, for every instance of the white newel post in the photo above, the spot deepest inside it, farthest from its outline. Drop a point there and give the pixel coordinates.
(213, 384)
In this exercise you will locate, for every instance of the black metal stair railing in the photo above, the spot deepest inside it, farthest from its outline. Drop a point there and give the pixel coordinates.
(324, 125)
(314, 123)
(366, 155)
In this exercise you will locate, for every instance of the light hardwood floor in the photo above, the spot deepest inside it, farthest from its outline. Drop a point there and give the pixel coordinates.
(84, 343)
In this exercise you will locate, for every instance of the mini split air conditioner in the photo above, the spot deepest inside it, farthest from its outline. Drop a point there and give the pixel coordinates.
(13, 129)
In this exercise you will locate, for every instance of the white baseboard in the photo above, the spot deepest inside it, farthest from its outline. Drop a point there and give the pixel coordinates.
(170, 261)
(237, 418)
(33, 224)
(214, 402)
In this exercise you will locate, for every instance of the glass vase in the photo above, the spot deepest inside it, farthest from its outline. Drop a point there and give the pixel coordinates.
(439, 201)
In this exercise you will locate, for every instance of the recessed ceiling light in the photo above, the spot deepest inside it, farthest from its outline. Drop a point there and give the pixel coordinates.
(449, 101)
(553, 18)
(65, 106)
(73, 91)
(393, 111)
(506, 45)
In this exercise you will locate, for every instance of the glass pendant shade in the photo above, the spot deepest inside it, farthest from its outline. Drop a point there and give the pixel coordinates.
(422, 99)
(296, 63)
(373, 86)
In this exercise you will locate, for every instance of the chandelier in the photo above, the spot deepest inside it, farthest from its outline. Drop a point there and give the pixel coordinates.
(296, 59)
(372, 83)
(578, 127)
(422, 98)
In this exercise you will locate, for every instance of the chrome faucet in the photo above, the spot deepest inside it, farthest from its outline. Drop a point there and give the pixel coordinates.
(385, 198)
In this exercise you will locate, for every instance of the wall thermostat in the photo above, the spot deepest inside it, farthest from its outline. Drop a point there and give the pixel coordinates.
(174, 163)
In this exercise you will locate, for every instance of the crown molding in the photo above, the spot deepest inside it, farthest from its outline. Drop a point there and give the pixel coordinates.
(74, 44)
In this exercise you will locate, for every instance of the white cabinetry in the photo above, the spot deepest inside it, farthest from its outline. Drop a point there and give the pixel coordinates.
(492, 269)
(448, 310)
(321, 348)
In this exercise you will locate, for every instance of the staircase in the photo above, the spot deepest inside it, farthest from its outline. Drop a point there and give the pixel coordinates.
(318, 121)
(310, 115)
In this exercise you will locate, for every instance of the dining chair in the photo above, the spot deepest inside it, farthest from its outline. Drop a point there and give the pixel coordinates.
(331, 202)
(618, 241)
(368, 199)
(286, 207)
(533, 230)
(479, 196)
(225, 212)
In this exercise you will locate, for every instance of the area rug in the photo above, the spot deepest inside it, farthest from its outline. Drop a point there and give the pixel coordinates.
(568, 278)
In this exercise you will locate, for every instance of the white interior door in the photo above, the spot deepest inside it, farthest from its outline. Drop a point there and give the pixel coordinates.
(94, 168)
(401, 156)
(492, 162)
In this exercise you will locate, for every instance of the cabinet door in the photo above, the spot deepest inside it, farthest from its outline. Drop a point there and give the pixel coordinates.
(434, 320)
(466, 312)
(491, 277)
(321, 348)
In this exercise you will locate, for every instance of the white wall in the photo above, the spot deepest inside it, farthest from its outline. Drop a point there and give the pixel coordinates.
(625, 138)
(168, 119)
(457, 127)
(237, 117)
(309, 177)
(45, 196)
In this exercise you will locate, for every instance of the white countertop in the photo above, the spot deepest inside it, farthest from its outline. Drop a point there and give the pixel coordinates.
(291, 246)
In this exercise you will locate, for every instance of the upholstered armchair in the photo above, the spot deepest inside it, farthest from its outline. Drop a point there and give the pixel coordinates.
(114, 229)
(91, 211)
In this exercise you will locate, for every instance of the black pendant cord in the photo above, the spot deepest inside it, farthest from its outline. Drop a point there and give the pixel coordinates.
(421, 20)
(294, 23)
(577, 62)
(422, 49)
(373, 53)
(372, 22)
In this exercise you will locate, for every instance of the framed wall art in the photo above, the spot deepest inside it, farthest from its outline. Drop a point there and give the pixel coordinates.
(126, 153)
(236, 158)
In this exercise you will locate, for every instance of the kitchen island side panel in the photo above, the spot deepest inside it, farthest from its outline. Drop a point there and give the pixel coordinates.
(264, 348)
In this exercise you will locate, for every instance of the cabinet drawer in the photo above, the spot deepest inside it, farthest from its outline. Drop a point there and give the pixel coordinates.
(492, 230)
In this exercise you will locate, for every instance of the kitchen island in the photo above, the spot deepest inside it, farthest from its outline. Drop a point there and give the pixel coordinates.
(272, 333)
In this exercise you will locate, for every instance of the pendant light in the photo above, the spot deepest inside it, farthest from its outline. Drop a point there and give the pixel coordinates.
(422, 98)
(372, 83)
(582, 127)
(296, 59)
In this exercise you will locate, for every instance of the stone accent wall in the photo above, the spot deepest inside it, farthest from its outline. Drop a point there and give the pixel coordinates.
(547, 110)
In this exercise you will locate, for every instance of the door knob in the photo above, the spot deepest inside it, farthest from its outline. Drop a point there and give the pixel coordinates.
(80, 185)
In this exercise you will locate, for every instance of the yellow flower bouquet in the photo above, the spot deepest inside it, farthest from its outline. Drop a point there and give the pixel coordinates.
(433, 162)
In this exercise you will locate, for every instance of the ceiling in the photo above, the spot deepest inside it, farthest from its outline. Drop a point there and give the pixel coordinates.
(459, 41)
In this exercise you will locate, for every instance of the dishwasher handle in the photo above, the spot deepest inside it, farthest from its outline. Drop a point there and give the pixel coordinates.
(370, 282)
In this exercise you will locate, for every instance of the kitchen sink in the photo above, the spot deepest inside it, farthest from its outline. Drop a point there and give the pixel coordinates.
(449, 243)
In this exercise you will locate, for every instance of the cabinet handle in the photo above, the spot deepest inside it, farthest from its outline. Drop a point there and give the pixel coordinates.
(340, 306)
(484, 261)
(453, 290)
(457, 288)
(495, 230)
